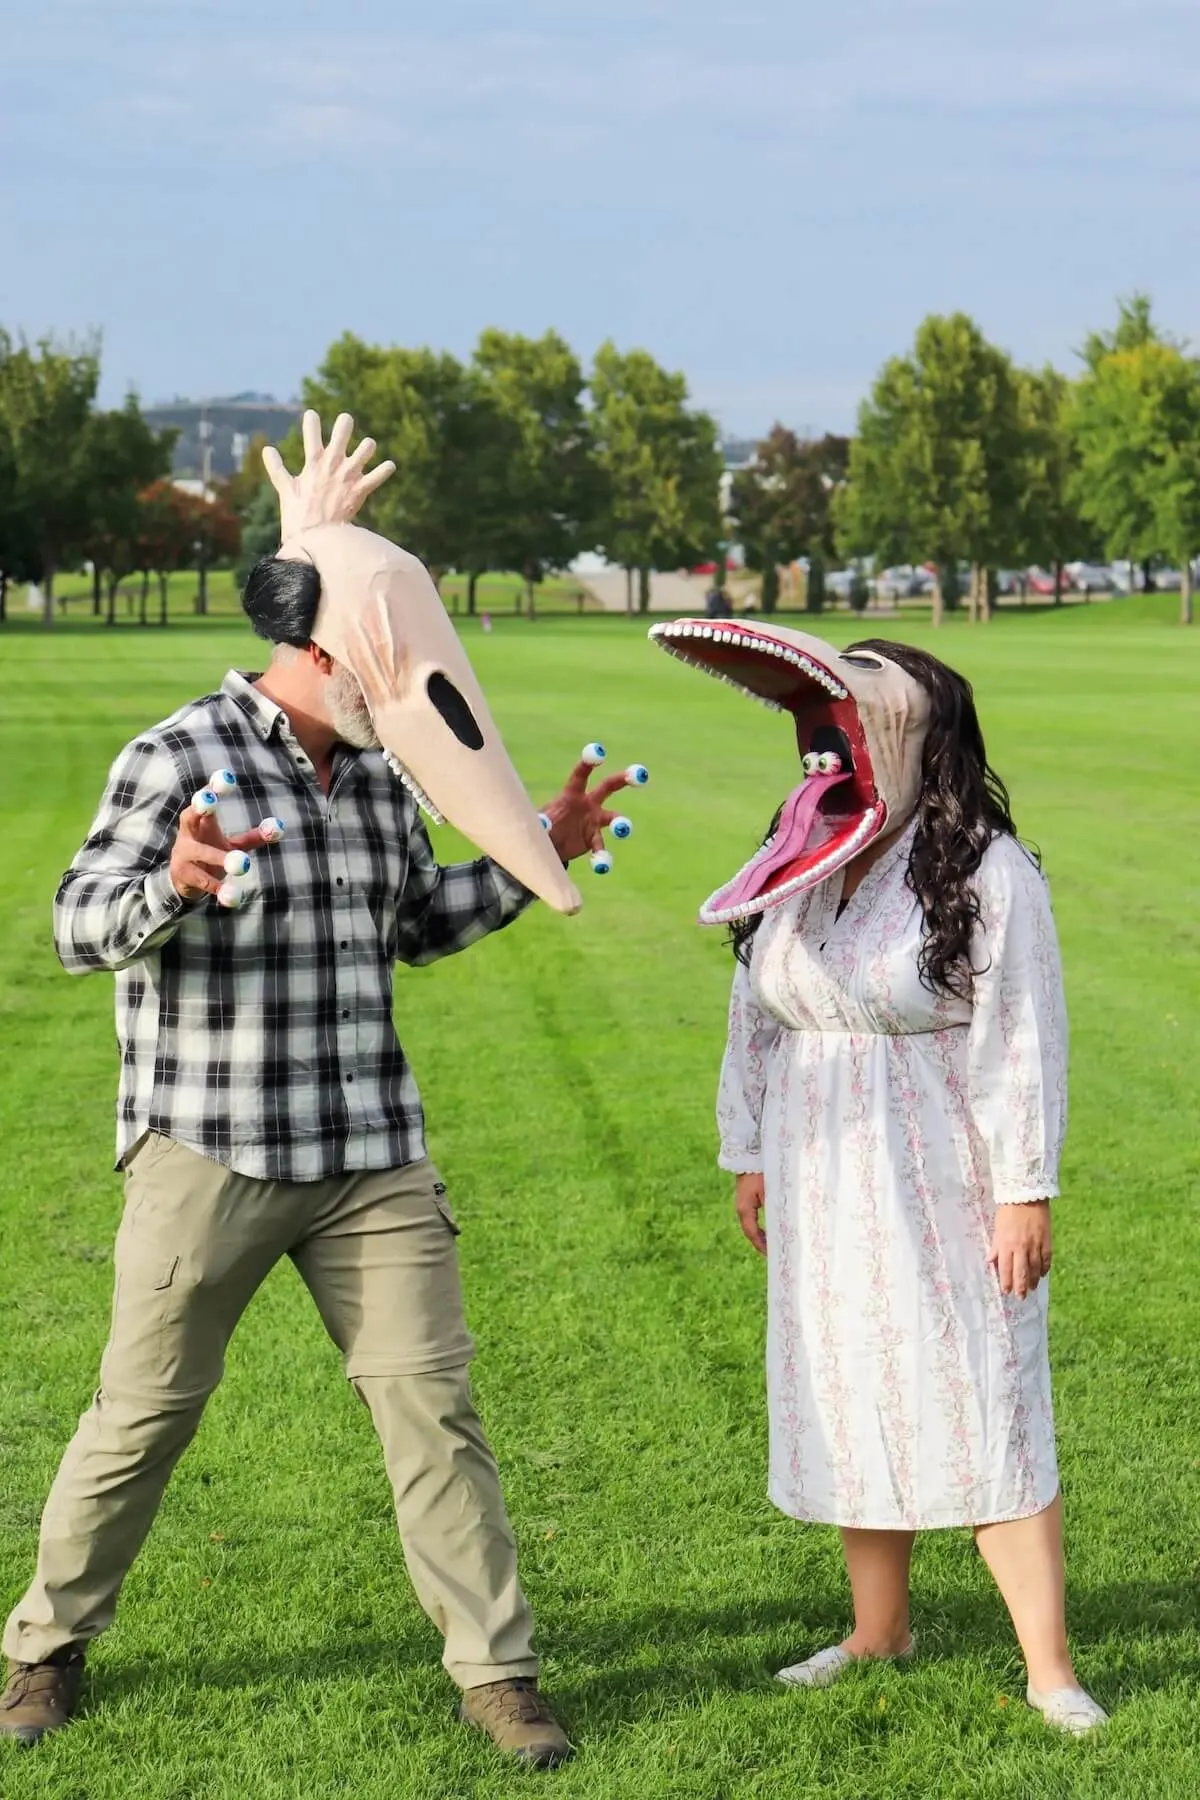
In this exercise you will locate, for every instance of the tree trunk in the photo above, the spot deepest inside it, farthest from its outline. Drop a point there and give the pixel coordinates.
(114, 582)
(202, 592)
(938, 599)
(163, 584)
(1185, 594)
(529, 595)
(1058, 584)
(770, 588)
(644, 590)
(145, 597)
(97, 589)
(1148, 586)
(472, 584)
(974, 583)
(3, 596)
(814, 587)
(48, 595)
(629, 593)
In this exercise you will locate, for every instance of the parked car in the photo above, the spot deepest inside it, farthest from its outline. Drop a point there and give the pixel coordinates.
(1092, 578)
(1040, 581)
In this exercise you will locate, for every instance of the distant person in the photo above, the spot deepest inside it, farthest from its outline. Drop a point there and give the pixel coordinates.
(486, 621)
(893, 1096)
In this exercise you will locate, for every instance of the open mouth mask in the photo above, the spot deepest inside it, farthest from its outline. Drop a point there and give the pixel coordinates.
(381, 615)
(861, 724)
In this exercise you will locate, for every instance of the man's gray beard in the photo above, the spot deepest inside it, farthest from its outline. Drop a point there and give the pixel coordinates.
(348, 712)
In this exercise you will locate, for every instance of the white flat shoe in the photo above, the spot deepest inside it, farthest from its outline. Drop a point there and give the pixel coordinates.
(1068, 1709)
(828, 1666)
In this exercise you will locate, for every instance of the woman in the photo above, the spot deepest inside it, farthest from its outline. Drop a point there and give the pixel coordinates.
(893, 1098)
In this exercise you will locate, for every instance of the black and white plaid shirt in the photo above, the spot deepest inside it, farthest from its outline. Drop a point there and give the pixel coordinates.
(263, 1038)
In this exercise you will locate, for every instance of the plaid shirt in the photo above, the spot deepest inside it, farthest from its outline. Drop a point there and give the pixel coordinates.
(263, 1038)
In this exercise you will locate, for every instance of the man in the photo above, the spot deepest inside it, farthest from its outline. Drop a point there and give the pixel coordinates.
(266, 1107)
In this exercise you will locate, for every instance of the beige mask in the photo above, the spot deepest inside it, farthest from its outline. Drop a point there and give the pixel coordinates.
(861, 724)
(381, 616)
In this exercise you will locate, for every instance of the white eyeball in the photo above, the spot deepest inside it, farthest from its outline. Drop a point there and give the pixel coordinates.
(637, 774)
(593, 754)
(829, 763)
(222, 781)
(205, 802)
(811, 763)
(544, 821)
(621, 827)
(601, 862)
(237, 864)
(230, 895)
(272, 830)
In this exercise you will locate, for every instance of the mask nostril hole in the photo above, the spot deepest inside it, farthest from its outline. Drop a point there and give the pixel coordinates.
(454, 709)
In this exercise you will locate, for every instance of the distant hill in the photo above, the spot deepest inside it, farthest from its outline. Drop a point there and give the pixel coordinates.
(233, 421)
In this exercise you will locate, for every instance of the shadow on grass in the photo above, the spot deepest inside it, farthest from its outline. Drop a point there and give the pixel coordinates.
(701, 1653)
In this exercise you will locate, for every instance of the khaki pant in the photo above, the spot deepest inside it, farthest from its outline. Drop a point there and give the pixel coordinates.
(377, 1253)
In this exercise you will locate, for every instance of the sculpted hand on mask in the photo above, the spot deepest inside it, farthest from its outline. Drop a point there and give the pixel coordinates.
(860, 723)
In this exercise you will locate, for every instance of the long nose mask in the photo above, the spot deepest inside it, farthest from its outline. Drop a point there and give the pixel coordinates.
(380, 614)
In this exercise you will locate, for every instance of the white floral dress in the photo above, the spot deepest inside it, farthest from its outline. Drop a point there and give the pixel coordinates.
(904, 1389)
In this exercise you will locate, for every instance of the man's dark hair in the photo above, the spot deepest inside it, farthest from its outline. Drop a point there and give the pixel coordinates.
(280, 600)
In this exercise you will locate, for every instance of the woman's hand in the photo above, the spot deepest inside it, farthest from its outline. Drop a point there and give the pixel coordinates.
(749, 1204)
(1020, 1252)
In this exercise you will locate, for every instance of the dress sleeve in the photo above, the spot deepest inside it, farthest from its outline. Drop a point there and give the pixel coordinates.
(743, 1084)
(1017, 1042)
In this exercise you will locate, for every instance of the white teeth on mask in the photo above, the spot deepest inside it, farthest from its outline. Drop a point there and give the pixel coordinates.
(668, 635)
(826, 865)
(414, 787)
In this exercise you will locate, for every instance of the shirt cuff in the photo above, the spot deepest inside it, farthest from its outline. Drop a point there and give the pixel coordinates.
(163, 901)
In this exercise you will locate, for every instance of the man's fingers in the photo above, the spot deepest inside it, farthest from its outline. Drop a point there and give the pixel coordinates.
(253, 840)
(276, 471)
(578, 779)
(310, 432)
(339, 437)
(612, 784)
(375, 479)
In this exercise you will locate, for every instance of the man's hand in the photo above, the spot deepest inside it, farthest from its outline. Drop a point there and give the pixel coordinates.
(578, 817)
(199, 851)
(331, 487)
(1021, 1252)
(748, 1204)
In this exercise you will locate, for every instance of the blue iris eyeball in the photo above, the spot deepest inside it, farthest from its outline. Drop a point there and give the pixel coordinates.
(622, 827)
(237, 864)
(637, 774)
(272, 830)
(601, 862)
(545, 821)
(205, 801)
(223, 781)
(593, 754)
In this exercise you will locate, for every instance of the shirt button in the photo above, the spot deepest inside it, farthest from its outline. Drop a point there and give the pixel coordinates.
(340, 882)
(344, 945)
(350, 1076)
(345, 1012)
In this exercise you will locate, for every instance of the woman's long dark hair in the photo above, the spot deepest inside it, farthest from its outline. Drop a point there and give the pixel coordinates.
(963, 805)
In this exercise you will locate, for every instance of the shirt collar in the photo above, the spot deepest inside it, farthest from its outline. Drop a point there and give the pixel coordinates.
(266, 717)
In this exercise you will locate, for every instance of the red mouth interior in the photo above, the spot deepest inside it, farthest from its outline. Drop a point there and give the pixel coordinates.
(824, 821)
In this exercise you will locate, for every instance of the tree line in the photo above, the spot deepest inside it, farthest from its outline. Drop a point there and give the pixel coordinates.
(963, 458)
(519, 459)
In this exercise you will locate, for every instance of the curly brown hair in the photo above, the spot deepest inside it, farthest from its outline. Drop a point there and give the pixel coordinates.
(963, 805)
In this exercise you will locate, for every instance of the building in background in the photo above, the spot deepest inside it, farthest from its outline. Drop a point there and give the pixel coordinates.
(214, 435)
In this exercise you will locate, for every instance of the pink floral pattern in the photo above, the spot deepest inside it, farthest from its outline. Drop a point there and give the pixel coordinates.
(904, 1389)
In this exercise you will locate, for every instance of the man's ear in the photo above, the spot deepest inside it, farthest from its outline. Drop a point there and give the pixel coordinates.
(321, 659)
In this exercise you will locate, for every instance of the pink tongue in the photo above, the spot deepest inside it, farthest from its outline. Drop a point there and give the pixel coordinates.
(795, 828)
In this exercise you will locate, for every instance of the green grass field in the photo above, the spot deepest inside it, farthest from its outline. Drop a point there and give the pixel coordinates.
(268, 1645)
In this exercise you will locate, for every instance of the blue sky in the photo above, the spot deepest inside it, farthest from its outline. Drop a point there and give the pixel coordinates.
(768, 196)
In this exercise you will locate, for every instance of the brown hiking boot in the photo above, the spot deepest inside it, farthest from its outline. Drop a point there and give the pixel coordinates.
(41, 1697)
(518, 1720)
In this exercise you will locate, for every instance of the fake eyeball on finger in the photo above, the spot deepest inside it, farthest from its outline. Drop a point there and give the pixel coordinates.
(637, 774)
(222, 781)
(205, 801)
(544, 821)
(271, 830)
(601, 862)
(593, 754)
(829, 763)
(237, 864)
(622, 827)
(230, 895)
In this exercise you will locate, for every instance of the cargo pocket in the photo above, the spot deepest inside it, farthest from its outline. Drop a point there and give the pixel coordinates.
(443, 1205)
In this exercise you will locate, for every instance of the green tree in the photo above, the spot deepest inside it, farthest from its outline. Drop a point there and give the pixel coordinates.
(935, 470)
(528, 466)
(260, 532)
(783, 507)
(46, 394)
(1052, 528)
(659, 468)
(122, 456)
(1135, 420)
